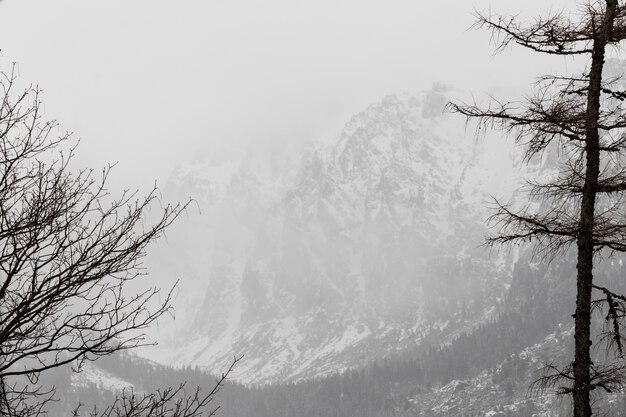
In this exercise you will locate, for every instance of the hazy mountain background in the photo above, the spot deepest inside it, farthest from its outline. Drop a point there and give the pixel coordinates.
(352, 275)
(315, 260)
(336, 237)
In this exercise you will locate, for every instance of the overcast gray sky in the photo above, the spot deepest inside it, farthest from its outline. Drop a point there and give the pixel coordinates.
(148, 82)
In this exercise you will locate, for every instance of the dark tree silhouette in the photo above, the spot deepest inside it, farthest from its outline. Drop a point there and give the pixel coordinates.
(68, 249)
(583, 205)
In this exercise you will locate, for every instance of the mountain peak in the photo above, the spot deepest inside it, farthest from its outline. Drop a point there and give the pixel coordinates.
(359, 241)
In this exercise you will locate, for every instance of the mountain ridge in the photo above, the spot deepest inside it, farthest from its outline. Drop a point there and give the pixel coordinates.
(339, 254)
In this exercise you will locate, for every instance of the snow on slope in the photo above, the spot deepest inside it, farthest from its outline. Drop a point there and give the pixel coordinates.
(491, 393)
(104, 380)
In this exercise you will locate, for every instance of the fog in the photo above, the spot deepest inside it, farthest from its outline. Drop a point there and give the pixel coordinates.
(337, 214)
(149, 83)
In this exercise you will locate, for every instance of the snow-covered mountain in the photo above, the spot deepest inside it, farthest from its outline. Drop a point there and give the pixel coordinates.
(310, 261)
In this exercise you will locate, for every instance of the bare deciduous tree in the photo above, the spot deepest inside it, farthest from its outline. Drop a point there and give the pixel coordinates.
(583, 204)
(174, 402)
(68, 249)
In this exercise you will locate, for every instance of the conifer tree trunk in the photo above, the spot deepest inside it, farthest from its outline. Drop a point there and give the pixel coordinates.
(585, 242)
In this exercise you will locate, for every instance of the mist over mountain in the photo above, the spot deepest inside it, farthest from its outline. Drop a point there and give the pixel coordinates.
(318, 235)
(353, 276)
(316, 260)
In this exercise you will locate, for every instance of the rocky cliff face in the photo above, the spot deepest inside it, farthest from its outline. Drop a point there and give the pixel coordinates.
(312, 261)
